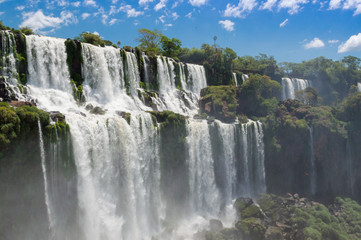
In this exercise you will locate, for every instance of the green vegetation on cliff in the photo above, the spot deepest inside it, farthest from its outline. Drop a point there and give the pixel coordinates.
(75, 60)
(291, 217)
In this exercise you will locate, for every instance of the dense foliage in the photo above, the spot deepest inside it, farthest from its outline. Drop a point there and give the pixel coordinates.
(291, 217)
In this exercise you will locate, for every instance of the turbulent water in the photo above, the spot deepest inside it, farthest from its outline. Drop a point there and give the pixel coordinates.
(291, 85)
(8, 65)
(118, 164)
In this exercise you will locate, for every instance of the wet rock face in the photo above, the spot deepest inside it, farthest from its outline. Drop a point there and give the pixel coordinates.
(21, 103)
(4, 91)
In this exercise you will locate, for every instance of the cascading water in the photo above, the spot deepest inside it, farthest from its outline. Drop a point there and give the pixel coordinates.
(313, 174)
(46, 187)
(235, 79)
(359, 87)
(146, 70)
(244, 78)
(8, 67)
(291, 85)
(117, 160)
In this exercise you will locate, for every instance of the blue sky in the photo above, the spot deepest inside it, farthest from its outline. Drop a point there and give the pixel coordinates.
(289, 30)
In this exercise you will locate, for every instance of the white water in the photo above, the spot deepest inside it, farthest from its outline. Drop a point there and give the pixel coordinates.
(235, 79)
(118, 164)
(48, 67)
(313, 185)
(204, 194)
(8, 70)
(45, 178)
(359, 87)
(291, 85)
(146, 70)
(244, 78)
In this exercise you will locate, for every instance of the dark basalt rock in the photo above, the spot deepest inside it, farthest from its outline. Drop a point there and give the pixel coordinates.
(57, 116)
(97, 111)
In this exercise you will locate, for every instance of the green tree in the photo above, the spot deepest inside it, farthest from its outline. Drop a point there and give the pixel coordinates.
(26, 31)
(149, 41)
(91, 38)
(171, 47)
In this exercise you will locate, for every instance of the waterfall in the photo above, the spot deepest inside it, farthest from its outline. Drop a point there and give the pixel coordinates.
(183, 102)
(102, 72)
(46, 187)
(117, 159)
(313, 173)
(359, 87)
(8, 67)
(235, 79)
(291, 85)
(205, 197)
(48, 67)
(196, 79)
(132, 72)
(146, 70)
(244, 78)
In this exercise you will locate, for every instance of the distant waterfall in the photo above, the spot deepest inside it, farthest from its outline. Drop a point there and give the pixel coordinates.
(313, 172)
(359, 87)
(46, 184)
(244, 78)
(235, 78)
(291, 85)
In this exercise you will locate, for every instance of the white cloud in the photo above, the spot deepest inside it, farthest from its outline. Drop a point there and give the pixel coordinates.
(189, 15)
(334, 4)
(315, 43)
(130, 11)
(90, 3)
(240, 10)
(175, 16)
(353, 44)
(96, 33)
(197, 3)
(1, 1)
(76, 4)
(20, 8)
(1, 13)
(37, 20)
(293, 6)
(228, 25)
(144, 2)
(333, 41)
(169, 25)
(268, 5)
(284, 23)
(160, 5)
(176, 3)
(113, 21)
(161, 18)
(85, 16)
(353, 4)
